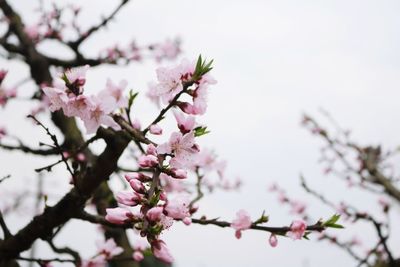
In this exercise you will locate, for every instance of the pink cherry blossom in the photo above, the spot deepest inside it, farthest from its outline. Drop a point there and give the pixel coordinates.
(109, 248)
(77, 76)
(171, 184)
(78, 106)
(185, 124)
(168, 50)
(99, 114)
(242, 222)
(170, 83)
(98, 261)
(183, 147)
(298, 207)
(57, 96)
(116, 92)
(161, 252)
(297, 229)
(178, 208)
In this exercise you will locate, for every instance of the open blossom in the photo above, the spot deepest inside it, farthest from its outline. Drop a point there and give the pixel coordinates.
(178, 208)
(183, 147)
(99, 114)
(185, 124)
(170, 82)
(168, 49)
(116, 92)
(242, 222)
(207, 160)
(298, 207)
(98, 261)
(199, 97)
(161, 252)
(109, 248)
(76, 77)
(95, 110)
(297, 229)
(57, 96)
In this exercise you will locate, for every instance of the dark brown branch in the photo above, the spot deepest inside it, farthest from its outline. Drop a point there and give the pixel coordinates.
(41, 261)
(41, 226)
(75, 44)
(58, 147)
(4, 178)
(4, 227)
(65, 250)
(26, 149)
(276, 230)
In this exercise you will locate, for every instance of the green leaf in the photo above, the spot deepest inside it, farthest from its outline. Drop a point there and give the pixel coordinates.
(132, 97)
(262, 219)
(199, 131)
(202, 67)
(332, 222)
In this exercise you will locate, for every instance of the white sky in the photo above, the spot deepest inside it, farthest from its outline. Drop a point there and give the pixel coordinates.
(273, 61)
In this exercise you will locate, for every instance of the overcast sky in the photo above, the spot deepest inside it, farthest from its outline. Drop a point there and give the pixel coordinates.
(274, 60)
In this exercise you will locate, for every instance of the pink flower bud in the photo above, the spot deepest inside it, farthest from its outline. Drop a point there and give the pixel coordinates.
(178, 173)
(154, 214)
(138, 256)
(137, 186)
(161, 252)
(151, 150)
(128, 198)
(118, 215)
(155, 129)
(148, 161)
(136, 124)
(81, 157)
(139, 176)
(187, 220)
(273, 241)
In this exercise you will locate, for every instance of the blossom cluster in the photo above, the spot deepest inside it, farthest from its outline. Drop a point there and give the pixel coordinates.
(243, 222)
(157, 195)
(156, 199)
(67, 93)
